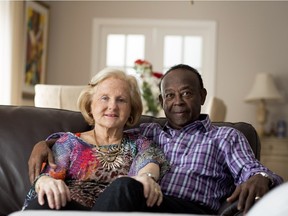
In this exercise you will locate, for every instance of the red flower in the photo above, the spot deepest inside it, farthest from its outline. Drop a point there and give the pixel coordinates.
(157, 75)
(140, 62)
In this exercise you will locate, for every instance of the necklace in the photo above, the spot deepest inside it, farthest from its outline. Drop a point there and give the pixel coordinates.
(109, 158)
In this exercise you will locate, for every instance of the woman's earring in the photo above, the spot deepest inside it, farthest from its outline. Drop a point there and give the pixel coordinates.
(131, 119)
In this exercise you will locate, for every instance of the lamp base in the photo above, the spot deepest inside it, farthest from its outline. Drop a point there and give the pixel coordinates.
(261, 117)
(260, 130)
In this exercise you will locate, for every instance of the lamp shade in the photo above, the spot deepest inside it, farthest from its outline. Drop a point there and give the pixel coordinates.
(263, 89)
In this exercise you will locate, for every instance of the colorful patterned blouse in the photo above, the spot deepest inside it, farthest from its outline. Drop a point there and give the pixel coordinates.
(85, 169)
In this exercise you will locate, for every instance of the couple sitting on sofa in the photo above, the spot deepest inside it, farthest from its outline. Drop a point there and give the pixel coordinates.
(205, 161)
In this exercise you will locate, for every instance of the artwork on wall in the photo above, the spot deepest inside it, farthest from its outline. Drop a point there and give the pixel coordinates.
(35, 50)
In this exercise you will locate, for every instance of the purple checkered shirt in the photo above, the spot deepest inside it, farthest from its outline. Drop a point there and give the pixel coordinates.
(206, 161)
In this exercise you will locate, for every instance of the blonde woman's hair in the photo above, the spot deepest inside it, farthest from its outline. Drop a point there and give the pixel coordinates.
(85, 98)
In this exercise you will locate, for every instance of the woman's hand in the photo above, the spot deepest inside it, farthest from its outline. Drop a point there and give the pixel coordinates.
(152, 190)
(56, 191)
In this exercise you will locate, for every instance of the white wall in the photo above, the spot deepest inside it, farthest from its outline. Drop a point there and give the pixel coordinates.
(251, 38)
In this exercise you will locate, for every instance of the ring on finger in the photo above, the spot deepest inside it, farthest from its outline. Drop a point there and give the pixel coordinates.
(156, 190)
(257, 197)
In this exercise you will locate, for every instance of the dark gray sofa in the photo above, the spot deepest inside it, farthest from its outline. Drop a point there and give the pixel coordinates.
(22, 127)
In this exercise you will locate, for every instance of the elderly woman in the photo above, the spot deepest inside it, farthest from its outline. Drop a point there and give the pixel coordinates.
(88, 162)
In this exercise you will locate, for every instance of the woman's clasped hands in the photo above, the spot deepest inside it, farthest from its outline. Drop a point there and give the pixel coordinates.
(152, 190)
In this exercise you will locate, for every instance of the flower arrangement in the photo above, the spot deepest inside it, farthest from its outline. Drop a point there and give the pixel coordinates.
(149, 86)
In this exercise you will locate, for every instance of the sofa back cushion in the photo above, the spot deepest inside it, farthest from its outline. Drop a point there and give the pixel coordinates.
(22, 127)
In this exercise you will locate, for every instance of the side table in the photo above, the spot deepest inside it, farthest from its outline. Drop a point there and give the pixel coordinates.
(274, 155)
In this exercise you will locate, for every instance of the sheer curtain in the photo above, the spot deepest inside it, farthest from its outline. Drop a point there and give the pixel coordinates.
(11, 51)
(5, 53)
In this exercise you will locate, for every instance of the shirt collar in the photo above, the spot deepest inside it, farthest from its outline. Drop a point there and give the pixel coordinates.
(203, 122)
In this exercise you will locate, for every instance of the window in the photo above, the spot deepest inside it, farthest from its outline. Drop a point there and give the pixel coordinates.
(164, 43)
(122, 50)
(186, 49)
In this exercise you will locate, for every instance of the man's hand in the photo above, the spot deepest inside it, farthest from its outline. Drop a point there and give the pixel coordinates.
(40, 154)
(56, 191)
(248, 192)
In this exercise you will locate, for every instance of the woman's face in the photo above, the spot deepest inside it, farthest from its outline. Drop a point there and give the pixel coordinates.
(111, 103)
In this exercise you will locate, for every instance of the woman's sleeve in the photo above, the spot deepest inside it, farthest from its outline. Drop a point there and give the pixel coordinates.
(56, 135)
(61, 152)
(148, 152)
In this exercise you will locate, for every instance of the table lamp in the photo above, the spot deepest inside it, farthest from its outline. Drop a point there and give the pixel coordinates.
(263, 90)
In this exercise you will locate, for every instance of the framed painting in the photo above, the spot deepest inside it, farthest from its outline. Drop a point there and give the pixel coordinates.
(35, 42)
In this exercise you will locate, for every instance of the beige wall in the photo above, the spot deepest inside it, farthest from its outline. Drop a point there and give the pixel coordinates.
(251, 38)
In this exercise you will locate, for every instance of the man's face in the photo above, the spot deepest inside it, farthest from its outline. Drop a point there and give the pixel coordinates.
(181, 97)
